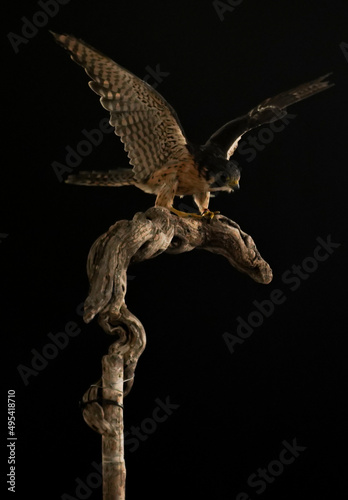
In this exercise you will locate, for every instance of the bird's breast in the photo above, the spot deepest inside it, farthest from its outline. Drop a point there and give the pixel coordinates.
(185, 173)
(191, 180)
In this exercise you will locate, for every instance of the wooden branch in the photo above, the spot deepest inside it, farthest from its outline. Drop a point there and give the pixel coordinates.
(103, 412)
(114, 469)
(154, 232)
(126, 242)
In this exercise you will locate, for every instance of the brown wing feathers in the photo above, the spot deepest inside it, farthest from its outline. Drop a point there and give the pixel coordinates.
(144, 121)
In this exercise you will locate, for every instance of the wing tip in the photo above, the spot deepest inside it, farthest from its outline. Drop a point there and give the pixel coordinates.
(60, 38)
(323, 80)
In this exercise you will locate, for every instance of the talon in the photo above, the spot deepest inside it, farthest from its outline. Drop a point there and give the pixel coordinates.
(185, 214)
(208, 214)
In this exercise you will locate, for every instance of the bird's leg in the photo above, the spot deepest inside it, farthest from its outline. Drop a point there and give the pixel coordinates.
(202, 202)
(166, 194)
(165, 198)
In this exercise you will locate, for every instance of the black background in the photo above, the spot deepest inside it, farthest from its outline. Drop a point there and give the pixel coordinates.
(287, 379)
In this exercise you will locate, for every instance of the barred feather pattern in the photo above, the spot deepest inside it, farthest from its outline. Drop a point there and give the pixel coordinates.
(146, 124)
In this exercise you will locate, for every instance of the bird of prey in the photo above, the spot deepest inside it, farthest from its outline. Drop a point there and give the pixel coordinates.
(163, 161)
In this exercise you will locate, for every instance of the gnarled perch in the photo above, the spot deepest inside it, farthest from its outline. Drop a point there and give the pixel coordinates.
(144, 237)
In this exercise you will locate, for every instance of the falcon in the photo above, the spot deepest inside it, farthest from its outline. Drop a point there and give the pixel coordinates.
(164, 162)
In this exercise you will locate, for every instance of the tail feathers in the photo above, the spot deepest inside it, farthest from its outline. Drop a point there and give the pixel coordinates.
(119, 177)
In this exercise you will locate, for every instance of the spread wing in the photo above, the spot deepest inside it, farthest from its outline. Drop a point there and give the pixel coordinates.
(147, 125)
(270, 110)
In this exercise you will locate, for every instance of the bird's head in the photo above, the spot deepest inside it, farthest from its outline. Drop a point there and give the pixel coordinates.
(221, 174)
(226, 178)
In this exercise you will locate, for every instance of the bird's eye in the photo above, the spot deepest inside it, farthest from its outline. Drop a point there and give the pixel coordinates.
(223, 178)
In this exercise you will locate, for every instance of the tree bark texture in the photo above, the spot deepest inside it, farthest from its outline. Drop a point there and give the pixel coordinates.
(127, 242)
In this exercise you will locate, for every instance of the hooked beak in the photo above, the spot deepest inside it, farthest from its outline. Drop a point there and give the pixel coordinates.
(234, 185)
